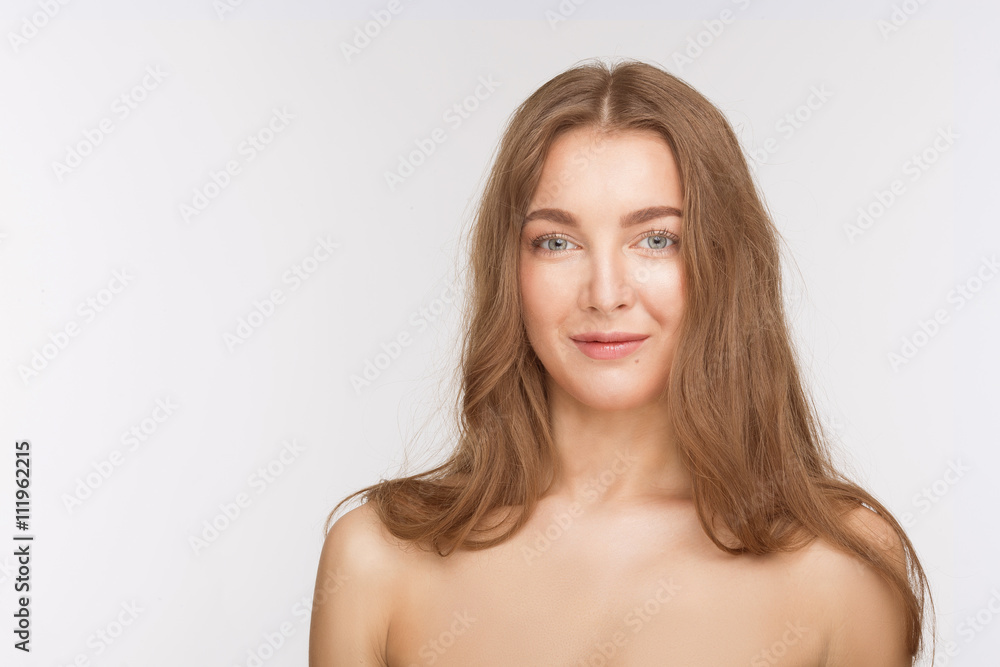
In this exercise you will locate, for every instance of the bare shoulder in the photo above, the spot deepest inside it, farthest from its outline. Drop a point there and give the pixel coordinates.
(359, 567)
(864, 617)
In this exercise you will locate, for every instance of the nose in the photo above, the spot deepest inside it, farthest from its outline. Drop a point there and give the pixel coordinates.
(608, 285)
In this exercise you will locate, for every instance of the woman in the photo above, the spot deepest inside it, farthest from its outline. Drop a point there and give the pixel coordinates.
(640, 477)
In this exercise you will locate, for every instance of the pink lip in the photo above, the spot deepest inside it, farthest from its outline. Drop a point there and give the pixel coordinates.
(610, 345)
(607, 336)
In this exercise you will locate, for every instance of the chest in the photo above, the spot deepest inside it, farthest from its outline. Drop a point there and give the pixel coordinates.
(630, 594)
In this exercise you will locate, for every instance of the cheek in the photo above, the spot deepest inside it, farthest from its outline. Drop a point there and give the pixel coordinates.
(546, 296)
(661, 289)
(532, 294)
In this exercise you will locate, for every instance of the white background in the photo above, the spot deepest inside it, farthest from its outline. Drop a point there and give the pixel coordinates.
(163, 335)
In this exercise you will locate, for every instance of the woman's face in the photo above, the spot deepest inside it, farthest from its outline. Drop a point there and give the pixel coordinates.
(599, 254)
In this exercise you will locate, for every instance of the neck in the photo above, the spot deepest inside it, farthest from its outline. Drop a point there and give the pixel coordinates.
(613, 457)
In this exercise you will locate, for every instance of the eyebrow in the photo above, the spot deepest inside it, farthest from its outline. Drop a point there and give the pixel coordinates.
(634, 218)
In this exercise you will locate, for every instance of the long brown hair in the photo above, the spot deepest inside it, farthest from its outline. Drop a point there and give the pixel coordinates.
(746, 429)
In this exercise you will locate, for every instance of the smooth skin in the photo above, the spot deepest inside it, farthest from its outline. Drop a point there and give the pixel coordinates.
(613, 568)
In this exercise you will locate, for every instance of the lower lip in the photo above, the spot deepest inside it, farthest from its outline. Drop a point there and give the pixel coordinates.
(609, 350)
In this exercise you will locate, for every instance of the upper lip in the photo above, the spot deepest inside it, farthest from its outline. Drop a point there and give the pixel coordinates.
(607, 337)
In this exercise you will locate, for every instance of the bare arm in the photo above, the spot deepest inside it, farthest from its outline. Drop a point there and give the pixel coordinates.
(351, 602)
(867, 620)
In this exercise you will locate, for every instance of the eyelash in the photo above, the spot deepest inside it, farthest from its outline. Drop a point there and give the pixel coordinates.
(538, 240)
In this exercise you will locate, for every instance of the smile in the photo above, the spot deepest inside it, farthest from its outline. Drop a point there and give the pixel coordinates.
(609, 350)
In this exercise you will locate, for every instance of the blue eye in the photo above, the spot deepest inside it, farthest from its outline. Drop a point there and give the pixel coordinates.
(663, 238)
(665, 241)
(540, 242)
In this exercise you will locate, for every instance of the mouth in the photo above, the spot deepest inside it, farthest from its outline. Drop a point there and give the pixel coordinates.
(607, 346)
(608, 337)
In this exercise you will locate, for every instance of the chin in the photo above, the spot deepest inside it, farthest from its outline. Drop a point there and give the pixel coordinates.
(614, 396)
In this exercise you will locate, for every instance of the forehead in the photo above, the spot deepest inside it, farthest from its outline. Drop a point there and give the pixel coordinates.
(589, 141)
(584, 164)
